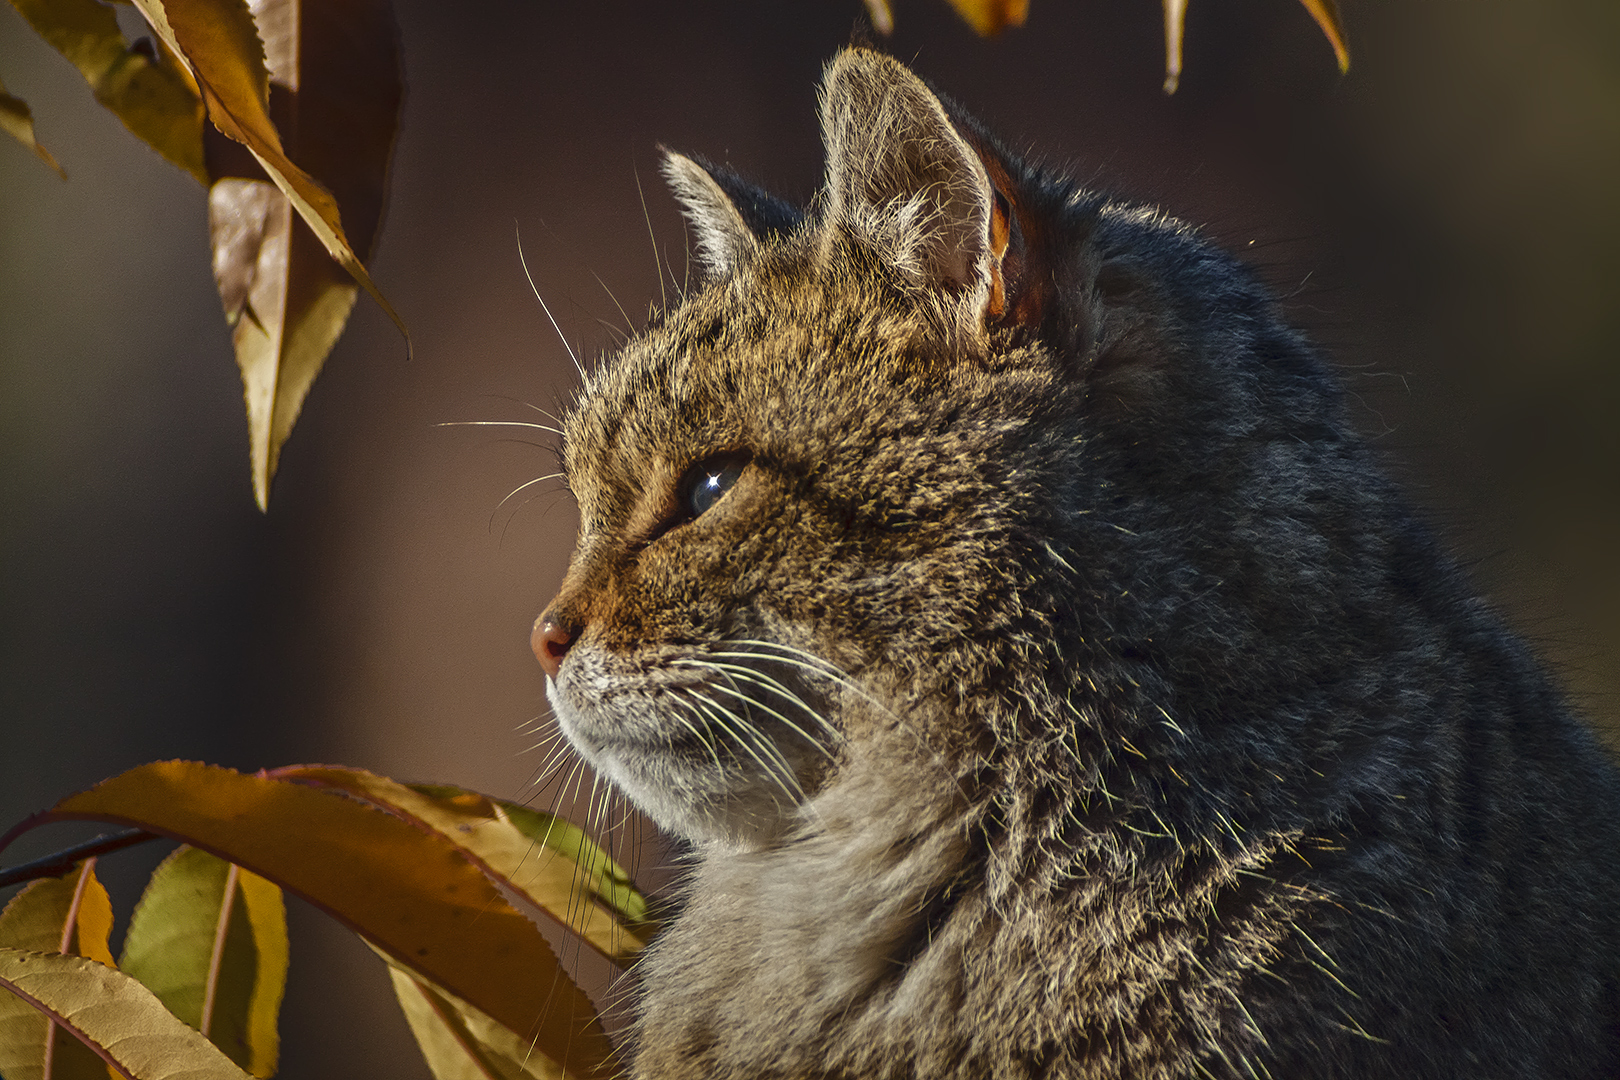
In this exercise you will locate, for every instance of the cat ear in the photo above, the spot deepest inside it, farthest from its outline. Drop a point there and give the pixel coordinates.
(728, 215)
(901, 172)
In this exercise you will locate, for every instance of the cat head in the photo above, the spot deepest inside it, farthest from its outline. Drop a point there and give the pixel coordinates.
(830, 503)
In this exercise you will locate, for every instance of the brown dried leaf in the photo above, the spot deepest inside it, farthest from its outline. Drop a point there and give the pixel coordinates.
(17, 121)
(219, 41)
(153, 97)
(333, 81)
(1325, 12)
(990, 17)
(335, 86)
(286, 302)
(882, 16)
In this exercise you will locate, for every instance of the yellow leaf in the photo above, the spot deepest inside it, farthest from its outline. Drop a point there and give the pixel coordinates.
(1326, 14)
(541, 857)
(152, 96)
(991, 17)
(210, 940)
(69, 914)
(461, 1043)
(882, 16)
(219, 42)
(267, 917)
(409, 890)
(17, 121)
(117, 1017)
(447, 1046)
(1175, 25)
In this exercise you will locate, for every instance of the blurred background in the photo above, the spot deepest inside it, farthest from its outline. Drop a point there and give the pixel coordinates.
(1445, 220)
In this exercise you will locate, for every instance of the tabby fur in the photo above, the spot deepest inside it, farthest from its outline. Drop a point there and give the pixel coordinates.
(1056, 687)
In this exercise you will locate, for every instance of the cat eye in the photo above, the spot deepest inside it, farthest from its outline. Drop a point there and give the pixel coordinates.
(708, 480)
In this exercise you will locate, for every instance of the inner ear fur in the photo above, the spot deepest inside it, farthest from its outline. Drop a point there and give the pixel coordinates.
(921, 180)
(728, 215)
(1021, 282)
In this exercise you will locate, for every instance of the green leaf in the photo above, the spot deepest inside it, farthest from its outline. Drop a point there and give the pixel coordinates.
(608, 881)
(155, 100)
(69, 914)
(210, 940)
(409, 890)
(114, 1015)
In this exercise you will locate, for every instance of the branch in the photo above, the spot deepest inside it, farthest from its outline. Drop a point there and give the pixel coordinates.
(59, 863)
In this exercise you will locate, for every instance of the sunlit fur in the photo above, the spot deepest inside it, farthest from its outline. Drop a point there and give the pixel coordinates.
(1061, 691)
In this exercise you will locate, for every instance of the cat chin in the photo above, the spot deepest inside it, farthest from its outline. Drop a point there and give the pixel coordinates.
(689, 796)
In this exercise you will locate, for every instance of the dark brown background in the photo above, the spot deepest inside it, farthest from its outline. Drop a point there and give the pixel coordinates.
(1445, 220)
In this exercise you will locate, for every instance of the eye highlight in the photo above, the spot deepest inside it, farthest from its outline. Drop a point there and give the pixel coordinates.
(708, 480)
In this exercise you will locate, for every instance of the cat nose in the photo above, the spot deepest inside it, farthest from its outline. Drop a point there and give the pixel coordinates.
(550, 641)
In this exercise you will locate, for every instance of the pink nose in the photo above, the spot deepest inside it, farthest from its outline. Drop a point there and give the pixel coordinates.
(550, 642)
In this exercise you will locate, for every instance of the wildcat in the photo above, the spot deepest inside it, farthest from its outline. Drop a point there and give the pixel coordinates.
(992, 590)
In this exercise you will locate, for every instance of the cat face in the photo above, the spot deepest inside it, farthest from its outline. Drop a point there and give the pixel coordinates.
(794, 486)
(769, 499)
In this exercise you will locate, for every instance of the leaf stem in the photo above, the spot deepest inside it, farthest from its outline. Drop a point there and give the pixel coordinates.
(60, 862)
(217, 957)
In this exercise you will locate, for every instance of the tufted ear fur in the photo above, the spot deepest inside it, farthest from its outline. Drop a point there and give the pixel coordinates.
(924, 187)
(728, 215)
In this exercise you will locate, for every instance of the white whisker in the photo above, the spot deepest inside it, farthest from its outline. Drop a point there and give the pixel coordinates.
(628, 325)
(499, 423)
(536, 290)
(754, 703)
(818, 667)
(748, 674)
(553, 417)
(780, 771)
(658, 262)
(706, 743)
(528, 484)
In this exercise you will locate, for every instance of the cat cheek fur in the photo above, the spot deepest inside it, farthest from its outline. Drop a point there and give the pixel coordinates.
(1065, 694)
(712, 749)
